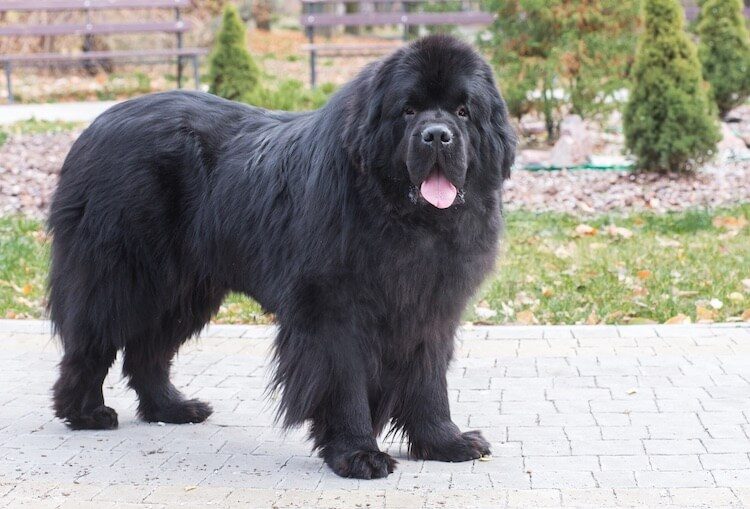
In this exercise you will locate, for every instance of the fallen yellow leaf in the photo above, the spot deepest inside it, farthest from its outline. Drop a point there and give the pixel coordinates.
(27, 289)
(584, 230)
(679, 320)
(729, 222)
(705, 315)
(525, 317)
(746, 316)
(548, 292)
(643, 274)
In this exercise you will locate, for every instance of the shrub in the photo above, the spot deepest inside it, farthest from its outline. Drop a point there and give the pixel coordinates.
(232, 73)
(724, 51)
(290, 95)
(579, 47)
(668, 121)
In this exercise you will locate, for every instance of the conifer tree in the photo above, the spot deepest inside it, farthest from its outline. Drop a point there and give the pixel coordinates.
(669, 120)
(233, 73)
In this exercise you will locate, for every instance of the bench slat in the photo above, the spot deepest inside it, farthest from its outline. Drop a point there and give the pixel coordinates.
(96, 55)
(80, 5)
(392, 18)
(94, 28)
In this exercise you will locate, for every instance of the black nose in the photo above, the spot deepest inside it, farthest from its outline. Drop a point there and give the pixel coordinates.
(437, 131)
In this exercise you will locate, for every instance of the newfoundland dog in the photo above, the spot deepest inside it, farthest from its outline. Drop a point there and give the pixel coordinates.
(365, 226)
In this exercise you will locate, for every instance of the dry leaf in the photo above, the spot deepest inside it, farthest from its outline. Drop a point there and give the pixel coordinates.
(640, 291)
(679, 320)
(643, 274)
(746, 316)
(637, 320)
(716, 303)
(746, 284)
(592, 319)
(729, 222)
(483, 311)
(191, 488)
(548, 292)
(12, 314)
(27, 289)
(705, 315)
(584, 230)
(526, 317)
(667, 242)
(736, 297)
(617, 231)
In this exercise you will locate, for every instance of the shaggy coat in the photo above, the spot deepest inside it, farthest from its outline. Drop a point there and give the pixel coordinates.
(336, 220)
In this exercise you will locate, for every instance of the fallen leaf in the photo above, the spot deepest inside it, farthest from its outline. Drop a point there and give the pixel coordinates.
(191, 488)
(746, 316)
(746, 284)
(637, 320)
(667, 242)
(27, 289)
(716, 303)
(730, 222)
(618, 231)
(525, 317)
(736, 297)
(643, 274)
(640, 291)
(549, 292)
(679, 320)
(705, 315)
(632, 391)
(483, 311)
(10, 314)
(584, 230)
(592, 319)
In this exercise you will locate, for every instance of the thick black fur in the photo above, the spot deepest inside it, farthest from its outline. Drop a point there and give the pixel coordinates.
(169, 201)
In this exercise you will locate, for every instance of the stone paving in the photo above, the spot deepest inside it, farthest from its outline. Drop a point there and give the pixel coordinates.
(639, 416)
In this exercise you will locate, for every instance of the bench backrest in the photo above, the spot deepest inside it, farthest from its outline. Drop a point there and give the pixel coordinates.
(178, 26)
(406, 12)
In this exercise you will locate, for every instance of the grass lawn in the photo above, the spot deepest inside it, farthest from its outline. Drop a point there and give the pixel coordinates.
(556, 269)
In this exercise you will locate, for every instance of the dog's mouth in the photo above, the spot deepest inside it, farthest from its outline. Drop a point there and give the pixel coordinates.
(437, 190)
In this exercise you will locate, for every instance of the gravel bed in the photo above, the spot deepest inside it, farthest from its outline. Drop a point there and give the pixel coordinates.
(29, 165)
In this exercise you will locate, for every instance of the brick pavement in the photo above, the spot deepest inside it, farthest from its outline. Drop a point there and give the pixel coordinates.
(639, 416)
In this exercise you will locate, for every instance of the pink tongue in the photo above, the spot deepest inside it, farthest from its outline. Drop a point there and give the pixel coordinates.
(438, 190)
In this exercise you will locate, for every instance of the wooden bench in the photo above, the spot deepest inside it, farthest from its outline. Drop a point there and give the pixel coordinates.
(408, 13)
(89, 28)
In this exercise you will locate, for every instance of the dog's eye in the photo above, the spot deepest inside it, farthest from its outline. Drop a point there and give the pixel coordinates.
(409, 111)
(461, 111)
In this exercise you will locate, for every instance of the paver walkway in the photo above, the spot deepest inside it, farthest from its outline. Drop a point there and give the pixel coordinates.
(63, 112)
(578, 416)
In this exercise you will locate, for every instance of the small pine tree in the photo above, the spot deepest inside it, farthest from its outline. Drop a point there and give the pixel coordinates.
(232, 72)
(669, 121)
(724, 51)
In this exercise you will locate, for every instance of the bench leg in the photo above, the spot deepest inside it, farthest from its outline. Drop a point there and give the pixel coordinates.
(179, 72)
(8, 69)
(311, 36)
(197, 72)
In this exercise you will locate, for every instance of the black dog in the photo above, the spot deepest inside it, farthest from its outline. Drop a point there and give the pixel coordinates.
(365, 226)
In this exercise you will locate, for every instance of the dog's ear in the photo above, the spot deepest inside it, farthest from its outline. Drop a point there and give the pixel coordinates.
(501, 130)
(364, 133)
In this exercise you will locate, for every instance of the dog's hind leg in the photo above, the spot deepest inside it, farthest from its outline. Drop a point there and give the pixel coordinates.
(78, 397)
(147, 363)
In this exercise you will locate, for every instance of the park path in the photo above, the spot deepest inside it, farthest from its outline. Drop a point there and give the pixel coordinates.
(639, 416)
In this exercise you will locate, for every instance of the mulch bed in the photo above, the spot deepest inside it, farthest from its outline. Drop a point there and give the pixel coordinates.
(29, 165)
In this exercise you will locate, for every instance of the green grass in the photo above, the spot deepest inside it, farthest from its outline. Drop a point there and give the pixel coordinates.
(34, 126)
(547, 273)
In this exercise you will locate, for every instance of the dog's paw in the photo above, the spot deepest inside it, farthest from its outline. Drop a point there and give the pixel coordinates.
(467, 446)
(101, 417)
(179, 412)
(362, 464)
